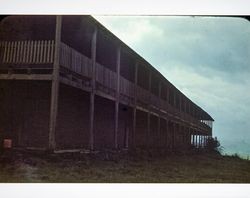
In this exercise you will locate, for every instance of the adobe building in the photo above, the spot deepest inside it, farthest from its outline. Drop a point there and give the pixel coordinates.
(69, 84)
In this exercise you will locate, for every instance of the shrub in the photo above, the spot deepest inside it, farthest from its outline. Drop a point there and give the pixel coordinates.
(213, 145)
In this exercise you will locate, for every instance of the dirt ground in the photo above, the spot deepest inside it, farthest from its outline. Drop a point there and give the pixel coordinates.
(142, 167)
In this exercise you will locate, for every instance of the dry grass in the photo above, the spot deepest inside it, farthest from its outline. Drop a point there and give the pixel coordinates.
(173, 168)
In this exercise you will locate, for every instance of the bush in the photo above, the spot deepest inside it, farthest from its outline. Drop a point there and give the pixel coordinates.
(213, 145)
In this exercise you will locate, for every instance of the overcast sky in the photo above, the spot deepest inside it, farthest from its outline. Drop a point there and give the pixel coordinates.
(207, 58)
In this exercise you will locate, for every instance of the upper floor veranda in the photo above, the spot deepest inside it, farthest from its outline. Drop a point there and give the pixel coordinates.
(88, 51)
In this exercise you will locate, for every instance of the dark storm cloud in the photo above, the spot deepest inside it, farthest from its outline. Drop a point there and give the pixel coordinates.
(207, 58)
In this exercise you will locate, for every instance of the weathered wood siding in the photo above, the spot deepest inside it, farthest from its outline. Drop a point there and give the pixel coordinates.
(24, 116)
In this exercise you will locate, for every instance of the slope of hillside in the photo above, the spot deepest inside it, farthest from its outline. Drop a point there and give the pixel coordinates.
(173, 168)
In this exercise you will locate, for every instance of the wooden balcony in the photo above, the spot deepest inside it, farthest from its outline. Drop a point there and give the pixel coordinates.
(33, 60)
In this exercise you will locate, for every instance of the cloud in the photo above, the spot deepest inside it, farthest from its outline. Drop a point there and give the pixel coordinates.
(207, 58)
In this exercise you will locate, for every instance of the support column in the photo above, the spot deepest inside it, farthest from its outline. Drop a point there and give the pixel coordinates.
(167, 135)
(158, 130)
(190, 137)
(193, 140)
(117, 98)
(204, 141)
(55, 85)
(135, 104)
(200, 141)
(174, 94)
(148, 116)
(185, 105)
(159, 117)
(92, 93)
(173, 136)
(180, 104)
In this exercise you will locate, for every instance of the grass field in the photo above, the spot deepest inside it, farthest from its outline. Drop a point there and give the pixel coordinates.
(172, 168)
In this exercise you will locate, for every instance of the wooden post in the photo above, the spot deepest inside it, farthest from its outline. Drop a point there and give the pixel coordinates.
(55, 85)
(92, 93)
(180, 102)
(118, 58)
(170, 132)
(167, 95)
(196, 141)
(166, 135)
(135, 104)
(174, 99)
(193, 139)
(190, 137)
(203, 141)
(159, 117)
(148, 116)
(199, 141)
(174, 137)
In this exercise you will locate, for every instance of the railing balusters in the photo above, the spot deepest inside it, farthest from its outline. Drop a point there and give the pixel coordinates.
(48, 52)
(11, 51)
(8, 52)
(33, 57)
(38, 52)
(29, 52)
(45, 51)
(52, 51)
(5, 51)
(41, 52)
(24, 52)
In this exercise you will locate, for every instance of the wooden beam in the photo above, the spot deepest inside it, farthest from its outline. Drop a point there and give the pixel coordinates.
(55, 85)
(92, 93)
(26, 77)
(159, 117)
(118, 60)
(190, 136)
(148, 115)
(173, 136)
(167, 135)
(135, 104)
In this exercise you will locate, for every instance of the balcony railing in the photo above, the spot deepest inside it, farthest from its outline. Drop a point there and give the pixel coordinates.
(105, 77)
(75, 61)
(27, 52)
